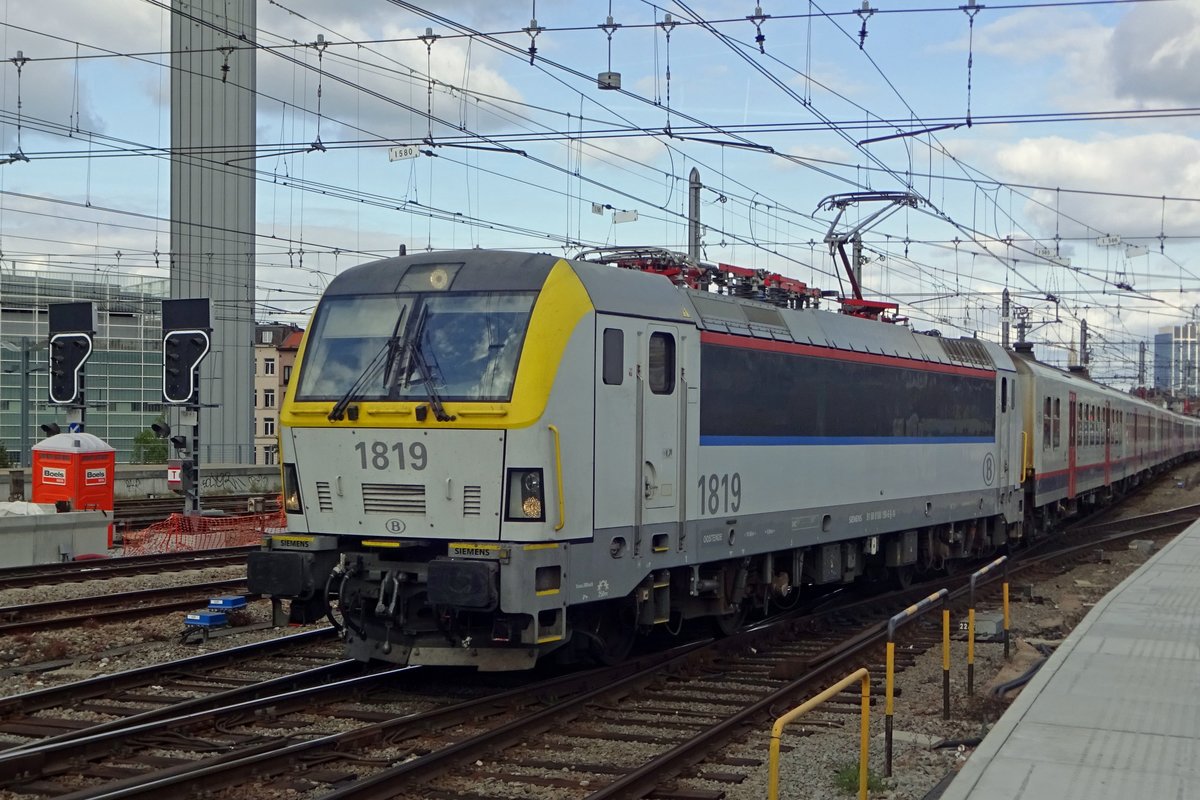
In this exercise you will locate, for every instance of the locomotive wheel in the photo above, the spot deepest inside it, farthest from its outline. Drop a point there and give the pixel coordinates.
(786, 602)
(904, 576)
(728, 624)
(613, 631)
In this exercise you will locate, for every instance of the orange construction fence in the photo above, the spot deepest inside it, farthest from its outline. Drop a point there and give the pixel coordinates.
(182, 533)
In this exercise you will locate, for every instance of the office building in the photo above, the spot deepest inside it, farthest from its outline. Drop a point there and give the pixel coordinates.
(123, 376)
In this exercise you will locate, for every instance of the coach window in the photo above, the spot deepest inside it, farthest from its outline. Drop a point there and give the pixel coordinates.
(662, 363)
(1046, 425)
(1003, 395)
(614, 356)
(1057, 420)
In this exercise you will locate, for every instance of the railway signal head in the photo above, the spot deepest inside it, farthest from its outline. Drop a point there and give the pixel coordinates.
(161, 429)
(182, 353)
(51, 429)
(68, 353)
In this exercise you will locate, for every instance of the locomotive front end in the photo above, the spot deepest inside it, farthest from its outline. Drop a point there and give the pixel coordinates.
(423, 468)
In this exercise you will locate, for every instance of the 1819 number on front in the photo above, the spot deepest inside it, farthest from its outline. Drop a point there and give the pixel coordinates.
(720, 494)
(381, 455)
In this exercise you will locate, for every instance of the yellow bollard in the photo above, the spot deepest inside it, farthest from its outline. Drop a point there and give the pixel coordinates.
(888, 707)
(864, 678)
(906, 615)
(945, 663)
(971, 650)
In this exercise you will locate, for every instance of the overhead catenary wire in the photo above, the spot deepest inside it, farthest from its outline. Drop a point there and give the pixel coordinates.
(771, 240)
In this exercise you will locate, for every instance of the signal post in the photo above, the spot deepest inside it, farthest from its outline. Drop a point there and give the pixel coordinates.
(71, 338)
(187, 339)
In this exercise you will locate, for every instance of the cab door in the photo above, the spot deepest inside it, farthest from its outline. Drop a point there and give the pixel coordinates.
(1004, 426)
(659, 391)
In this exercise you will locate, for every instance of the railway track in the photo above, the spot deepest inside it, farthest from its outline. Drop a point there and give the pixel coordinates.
(135, 697)
(226, 745)
(118, 606)
(75, 571)
(651, 725)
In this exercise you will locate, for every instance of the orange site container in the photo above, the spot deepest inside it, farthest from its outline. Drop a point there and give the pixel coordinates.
(77, 467)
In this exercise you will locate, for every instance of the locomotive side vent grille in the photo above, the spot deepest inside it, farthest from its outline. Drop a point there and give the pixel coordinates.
(967, 351)
(324, 496)
(393, 498)
(472, 501)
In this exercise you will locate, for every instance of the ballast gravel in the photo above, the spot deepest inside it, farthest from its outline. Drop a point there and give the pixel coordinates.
(31, 661)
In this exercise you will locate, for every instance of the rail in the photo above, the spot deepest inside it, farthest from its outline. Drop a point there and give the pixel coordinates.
(863, 677)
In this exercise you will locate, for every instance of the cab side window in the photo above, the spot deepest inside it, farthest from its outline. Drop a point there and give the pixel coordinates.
(614, 356)
(662, 363)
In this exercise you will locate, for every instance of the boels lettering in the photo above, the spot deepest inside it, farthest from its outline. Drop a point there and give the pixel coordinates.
(94, 477)
(54, 475)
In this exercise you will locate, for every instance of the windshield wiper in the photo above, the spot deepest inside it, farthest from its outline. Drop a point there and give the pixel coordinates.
(384, 358)
(416, 358)
(393, 347)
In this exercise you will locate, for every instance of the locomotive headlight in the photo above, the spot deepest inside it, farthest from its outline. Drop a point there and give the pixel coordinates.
(291, 490)
(524, 499)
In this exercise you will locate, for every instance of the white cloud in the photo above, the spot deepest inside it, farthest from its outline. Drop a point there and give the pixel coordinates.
(369, 88)
(1155, 53)
(1151, 164)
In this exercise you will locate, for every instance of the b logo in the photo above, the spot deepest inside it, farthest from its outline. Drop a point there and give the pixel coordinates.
(395, 526)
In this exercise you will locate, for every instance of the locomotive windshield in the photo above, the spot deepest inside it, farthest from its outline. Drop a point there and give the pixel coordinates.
(459, 346)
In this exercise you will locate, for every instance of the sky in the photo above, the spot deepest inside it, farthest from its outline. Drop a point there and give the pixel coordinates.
(1076, 185)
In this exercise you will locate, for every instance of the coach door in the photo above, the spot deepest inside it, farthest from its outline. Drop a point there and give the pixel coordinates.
(1072, 426)
(659, 390)
(1108, 428)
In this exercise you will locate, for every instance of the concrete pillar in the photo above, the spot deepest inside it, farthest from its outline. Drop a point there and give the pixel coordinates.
(212, 205)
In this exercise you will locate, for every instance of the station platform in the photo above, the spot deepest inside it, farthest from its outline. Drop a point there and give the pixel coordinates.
(1115, 711)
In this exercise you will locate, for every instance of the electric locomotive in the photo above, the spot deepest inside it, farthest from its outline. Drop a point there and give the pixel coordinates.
(490, 457)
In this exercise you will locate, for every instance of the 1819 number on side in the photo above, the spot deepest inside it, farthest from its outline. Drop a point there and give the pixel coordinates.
(720, 494)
